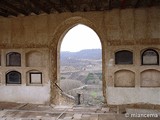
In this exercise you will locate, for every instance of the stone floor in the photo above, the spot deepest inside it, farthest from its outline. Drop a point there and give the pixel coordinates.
(19, 111)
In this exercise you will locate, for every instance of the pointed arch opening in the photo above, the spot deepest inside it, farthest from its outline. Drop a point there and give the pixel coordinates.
(80, 73)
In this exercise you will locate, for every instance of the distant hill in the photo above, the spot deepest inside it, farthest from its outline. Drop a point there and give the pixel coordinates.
(81, 59)
(91, 54)
(82, 71)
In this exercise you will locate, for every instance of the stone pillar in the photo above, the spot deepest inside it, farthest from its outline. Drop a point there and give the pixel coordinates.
(53, 76)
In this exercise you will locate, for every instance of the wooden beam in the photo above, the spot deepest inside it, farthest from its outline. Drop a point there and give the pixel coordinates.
(69, 6)
(54, 6)
(123, 2)
(97, 4)
(10, 6)
(109, 4)
(38, 5)
(151, 2)
(3, 14)
(28, 6)
(8, 12)
(137, 4)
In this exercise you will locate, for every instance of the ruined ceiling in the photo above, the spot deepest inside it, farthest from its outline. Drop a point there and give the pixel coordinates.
(11, 8)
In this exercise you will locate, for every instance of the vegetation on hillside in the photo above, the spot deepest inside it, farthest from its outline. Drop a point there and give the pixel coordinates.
(81, 72)
(91, 54)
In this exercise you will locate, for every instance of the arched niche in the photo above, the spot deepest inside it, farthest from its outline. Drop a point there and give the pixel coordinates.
(34, 59)
(150, 57)
(13, 77)
(124, 78)
(123, 57)
(150, 78)
(34, 77)
(13, 59)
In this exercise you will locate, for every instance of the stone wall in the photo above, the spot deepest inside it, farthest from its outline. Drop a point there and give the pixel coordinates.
(34, 89)
(126, 29)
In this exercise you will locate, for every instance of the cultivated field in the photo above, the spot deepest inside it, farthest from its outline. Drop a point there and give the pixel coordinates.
(81, 73)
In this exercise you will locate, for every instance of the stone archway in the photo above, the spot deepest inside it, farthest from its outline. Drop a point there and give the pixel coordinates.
(55, 54)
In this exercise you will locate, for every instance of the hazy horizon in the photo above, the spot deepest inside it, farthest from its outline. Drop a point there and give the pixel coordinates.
(84, 49)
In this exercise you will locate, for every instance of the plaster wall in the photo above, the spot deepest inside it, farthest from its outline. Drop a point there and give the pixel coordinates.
(122, 96)
(132, 29)
(25, 94)
(115, 27)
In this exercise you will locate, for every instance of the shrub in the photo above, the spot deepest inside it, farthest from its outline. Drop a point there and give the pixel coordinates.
(68, 84)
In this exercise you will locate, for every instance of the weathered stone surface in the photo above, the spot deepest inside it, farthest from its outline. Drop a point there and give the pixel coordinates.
(77, 116)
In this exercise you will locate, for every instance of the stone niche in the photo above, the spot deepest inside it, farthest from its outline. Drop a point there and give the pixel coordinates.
(150, 78)
(34, 77)
(34, 59)
(124, 78)
(13, 59)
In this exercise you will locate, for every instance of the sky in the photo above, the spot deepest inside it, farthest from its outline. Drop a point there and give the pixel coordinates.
(80, 37)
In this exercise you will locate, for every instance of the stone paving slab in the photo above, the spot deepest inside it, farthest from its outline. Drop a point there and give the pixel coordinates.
(96, 117)
(2, 113)
(77, 116)
(6, 105)
(14, 111)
